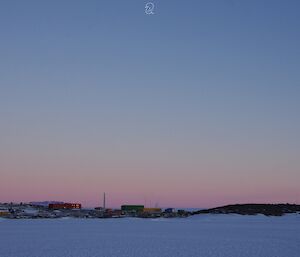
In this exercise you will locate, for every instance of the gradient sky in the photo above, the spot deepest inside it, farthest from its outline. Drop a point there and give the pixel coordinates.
(194, 106)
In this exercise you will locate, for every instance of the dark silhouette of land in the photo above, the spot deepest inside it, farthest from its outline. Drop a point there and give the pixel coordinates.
(253, 209)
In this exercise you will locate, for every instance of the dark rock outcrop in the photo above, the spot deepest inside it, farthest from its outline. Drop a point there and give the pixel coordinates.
(253, 209)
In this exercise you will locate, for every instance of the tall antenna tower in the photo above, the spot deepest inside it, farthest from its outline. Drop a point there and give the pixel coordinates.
(104, 201)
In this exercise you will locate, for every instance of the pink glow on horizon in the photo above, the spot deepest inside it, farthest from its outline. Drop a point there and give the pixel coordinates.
(85, 180)
(176, 195)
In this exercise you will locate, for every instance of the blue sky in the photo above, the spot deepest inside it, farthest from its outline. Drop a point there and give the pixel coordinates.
(202, 94)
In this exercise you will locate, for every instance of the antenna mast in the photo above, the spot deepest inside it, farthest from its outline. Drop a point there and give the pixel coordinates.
(104, 201)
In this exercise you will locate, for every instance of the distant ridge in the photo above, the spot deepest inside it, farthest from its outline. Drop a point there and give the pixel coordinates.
(45, 203)
(253, 209)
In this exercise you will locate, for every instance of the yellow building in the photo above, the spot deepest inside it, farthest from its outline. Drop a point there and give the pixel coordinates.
(152, 210)
(4, 213)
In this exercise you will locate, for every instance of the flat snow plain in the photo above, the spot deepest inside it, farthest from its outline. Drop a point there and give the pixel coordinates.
(201, 235)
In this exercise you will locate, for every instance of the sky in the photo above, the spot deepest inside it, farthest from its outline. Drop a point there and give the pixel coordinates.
(196, 105)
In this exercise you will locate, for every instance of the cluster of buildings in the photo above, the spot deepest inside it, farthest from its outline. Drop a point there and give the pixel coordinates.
(141, 211)
(60, 209)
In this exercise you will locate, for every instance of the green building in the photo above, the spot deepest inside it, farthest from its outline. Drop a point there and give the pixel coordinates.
(132, 208)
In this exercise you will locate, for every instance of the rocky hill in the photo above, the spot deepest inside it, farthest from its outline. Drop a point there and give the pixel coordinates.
(253, 209)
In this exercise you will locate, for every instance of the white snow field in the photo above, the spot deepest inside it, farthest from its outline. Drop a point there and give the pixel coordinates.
(203, 235)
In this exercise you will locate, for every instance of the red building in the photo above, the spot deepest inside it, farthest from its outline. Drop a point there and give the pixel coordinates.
(64, 206)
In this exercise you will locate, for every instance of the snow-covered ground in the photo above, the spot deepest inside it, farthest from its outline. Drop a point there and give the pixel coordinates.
(203, 235)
